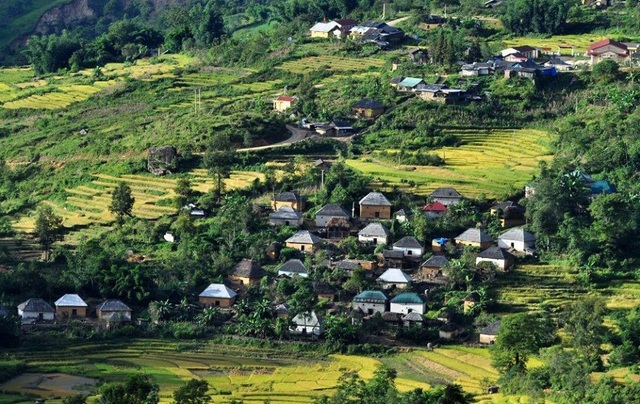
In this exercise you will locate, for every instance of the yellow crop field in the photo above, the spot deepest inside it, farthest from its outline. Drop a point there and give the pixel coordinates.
(489, 162)
(580, 42)
(333, 63)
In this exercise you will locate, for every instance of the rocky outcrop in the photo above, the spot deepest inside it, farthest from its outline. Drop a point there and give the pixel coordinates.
(64, 16)
(162, 160)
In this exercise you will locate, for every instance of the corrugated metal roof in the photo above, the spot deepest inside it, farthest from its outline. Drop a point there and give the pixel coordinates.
(394, 275)
(218, 290)
(72, 300)
(332, 209)
(304, 237)
(518, 234)
(36, 304)
(371, 295)
(113, 305)
(408, 298)
(293, 266)
(286, 213)
(375, 199)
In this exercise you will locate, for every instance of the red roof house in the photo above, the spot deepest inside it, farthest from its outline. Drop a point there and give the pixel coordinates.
(607, 49)
(434, 209)
(283, 102)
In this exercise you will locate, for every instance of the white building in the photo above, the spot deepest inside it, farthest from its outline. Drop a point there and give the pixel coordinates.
(374, 233)
(408, 303)
(394, 277)
(517, 238)
(307, 323)
(371, 302)
(409, 246)
(36, 309)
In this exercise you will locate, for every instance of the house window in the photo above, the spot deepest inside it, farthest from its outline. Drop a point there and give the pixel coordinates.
(376, 215)
(217, 303)
(286, 223)
(409, 252)
(512, 245)
(241, 282)
(369, 311)
(40, 316)
(301, 248)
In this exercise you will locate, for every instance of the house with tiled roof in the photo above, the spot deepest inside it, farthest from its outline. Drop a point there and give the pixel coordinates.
(307, 324)
(375, 206)
(328, 212)
(217, 295)
(489, 333)
(412, 319)
(70, 306)
(446, 196)
(371, 302)
(113, 310)
(517, 239)
(35, 309)
(329, 29)
(283, 103)
(408, 302)
(367, 108)
(474, 237)
(509, 213)
(290, 199)
(410, 247)
(247, 272)
(431, 269)
(374, 234)
(394, 278)
(304, 241)
(293, 267)
(500, 257)
(286, 216)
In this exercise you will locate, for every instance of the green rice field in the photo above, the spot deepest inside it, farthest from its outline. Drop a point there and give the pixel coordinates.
(489, 162)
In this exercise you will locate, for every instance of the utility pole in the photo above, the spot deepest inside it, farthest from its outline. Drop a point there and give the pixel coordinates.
(384, 10)
(197, 100)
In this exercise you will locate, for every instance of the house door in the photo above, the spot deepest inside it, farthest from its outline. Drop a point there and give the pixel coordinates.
(286, 223)
(40, 316)
(217, 303)
(369, 311)
(513, 245)
(375, 241)
(376, 215)
(301, 248)
(74, 312)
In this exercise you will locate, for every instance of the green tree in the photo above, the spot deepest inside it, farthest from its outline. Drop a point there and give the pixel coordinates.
(521, 335)
(77, 399)
(183, 192)
(48, 228)
(606, 71)
(121, 201)
(218, 159)
(194, 392)
(585, 324)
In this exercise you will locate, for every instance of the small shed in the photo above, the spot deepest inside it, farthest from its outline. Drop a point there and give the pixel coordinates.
(412, 319)
(368, 108)
(500, 257)
(489, 333)
(432, 268)
(324, 291)
(71, 306)
(470, 301)
(449, 331)
(328, 212)
(282, 311)
(217, 295)
(393, 258)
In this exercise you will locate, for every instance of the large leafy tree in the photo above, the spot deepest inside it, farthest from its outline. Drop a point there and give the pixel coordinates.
(121, 201)
(138, 389)
(218, 159)
(536, 16)
(521, 335)
(48, 228)
(194, 392)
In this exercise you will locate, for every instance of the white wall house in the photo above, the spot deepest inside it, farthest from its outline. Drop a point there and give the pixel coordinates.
(371, 302)
(409, 246)
(37, 309)
(517, 238)
(408, 303)
(307, 323)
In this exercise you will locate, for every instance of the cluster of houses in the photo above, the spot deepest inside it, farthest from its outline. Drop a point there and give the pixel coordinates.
(430, 92)
(378, 33)
(400, 265)
(72, 306)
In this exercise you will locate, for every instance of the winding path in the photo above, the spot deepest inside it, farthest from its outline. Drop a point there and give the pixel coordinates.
(297, 135)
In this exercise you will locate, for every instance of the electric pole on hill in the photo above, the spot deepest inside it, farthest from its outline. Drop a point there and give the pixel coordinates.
(197, 101)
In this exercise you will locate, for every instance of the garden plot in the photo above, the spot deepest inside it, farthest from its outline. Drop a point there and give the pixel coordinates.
(489, 162)
(50, 384)
(332, 63)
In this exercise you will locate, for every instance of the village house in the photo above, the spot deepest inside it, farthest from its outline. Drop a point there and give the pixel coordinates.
(439, 245)
(247, 272)
(411, 84)
(446, 196)
(307, 323)
(474, 237)
(402, 215)
(348, 265)
(526, 51)
(477, 69)
(442, 95)
(608, 49)
(375, 206)
(328, 212)
(329, 29)
(517, 239)
(510, 213)
(408, 302)
(283, 103)
(382, 32)
(393, 258)
(375, 234)
(35, 309)
(394, 278)
(449, 331)
(395, 81)
(217, 295)
(338, 228)
(71, 306)
(371, 302)
(282, 311)
(558, 64)
(434, 210)
(293, 267)
(113, 311)
(304, 241)
(347, 24)
(431, 269)
(470, 301)
(367, 108)
(500, 257)
(341, 128)
(324, 291)
(286, 216)
(410, 247)
(418, 55)
(291, 199)
(489, 333)
(392, 320)
(412, 319)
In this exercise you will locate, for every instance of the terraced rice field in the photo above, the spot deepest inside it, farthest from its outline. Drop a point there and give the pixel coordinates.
(56, 92)
(580, 42)
(245, 373)
(489, 162)
(88, 204)
(332, 63)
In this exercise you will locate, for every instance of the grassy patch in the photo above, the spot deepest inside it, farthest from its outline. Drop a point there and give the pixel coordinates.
(490, 162)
